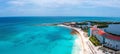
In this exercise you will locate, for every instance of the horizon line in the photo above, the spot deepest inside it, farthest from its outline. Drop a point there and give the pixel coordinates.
(61, 16)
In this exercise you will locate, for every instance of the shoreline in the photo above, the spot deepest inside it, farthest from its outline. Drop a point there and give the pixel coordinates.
(82, 45)
(78, 47)
(82, 42)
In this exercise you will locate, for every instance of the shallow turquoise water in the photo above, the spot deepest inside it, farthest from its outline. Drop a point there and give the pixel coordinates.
(26, 39)
(18, 35)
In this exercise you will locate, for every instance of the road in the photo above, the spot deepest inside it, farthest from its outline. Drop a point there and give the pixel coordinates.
(86, 46)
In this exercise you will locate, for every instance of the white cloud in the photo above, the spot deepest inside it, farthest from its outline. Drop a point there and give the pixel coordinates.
(66, 3)
(105, 3)
(16, 3)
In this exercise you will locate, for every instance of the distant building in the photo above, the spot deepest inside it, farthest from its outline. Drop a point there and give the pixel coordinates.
(73, 24)
(106, 38)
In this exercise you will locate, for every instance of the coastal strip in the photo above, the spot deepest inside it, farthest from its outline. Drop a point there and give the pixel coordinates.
(79, 41)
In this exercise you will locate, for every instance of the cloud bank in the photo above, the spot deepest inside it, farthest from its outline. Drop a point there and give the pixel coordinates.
(65, 3)
(60, 7)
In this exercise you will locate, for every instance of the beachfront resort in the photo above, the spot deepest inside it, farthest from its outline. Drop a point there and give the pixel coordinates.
(104, 36)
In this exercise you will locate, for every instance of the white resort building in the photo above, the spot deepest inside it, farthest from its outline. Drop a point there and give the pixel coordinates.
(108, 37)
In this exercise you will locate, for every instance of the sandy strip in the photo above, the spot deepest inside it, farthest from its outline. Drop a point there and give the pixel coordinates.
(82, 44)
(78, 47)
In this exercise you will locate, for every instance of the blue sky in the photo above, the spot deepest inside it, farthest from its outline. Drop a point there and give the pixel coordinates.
(108, 8)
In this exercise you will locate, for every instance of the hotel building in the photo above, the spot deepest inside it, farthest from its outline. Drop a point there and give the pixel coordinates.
(108, 37)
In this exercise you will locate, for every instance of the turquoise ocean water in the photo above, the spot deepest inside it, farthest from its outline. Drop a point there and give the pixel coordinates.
(19, 35)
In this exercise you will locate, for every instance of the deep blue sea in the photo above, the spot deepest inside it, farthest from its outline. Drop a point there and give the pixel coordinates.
(19, 35)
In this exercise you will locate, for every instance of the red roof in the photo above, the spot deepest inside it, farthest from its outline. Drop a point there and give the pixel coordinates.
(101, 32)
(94, 28)
(113, 37)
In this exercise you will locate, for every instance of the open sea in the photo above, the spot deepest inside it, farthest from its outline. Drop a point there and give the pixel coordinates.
(20, 35)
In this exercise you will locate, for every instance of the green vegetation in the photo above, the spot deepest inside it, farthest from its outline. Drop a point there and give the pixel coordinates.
(82, 23)
(85, 30)
(116, 23)
(101, 24)
(94, 40)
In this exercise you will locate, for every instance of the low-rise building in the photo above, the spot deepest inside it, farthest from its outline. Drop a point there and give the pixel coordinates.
(106, 38)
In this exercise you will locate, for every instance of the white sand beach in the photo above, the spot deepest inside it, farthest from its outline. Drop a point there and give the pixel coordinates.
(82, 44)
(78, 47)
